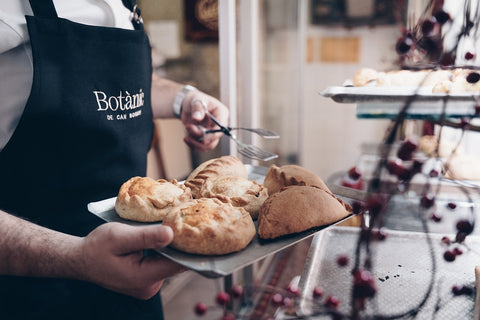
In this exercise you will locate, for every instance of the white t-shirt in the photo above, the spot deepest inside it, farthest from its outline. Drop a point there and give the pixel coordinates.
(16, 69)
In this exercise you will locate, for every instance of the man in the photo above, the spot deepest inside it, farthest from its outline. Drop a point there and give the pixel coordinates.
(78, 100)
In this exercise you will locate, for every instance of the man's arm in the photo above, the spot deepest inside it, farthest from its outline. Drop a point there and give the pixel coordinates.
(193, 113)
(110, 256)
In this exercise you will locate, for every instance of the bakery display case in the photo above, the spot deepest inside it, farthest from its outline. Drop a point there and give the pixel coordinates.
(279, 72)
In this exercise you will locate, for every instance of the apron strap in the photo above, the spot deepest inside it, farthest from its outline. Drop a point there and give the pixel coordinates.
(136, 12)
(43, 8)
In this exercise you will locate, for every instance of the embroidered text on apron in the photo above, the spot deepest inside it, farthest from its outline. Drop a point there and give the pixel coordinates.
(86, 129)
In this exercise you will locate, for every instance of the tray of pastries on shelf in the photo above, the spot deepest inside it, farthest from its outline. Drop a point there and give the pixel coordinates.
(226, 214)
(429, 93)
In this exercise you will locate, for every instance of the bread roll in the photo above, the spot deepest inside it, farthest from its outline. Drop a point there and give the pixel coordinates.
(223, 166)
(147, 200)
(291, 175)
(238, 191)
(210, 227)
(298, 208)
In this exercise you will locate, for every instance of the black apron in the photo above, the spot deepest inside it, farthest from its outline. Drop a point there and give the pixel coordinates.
(86, 129)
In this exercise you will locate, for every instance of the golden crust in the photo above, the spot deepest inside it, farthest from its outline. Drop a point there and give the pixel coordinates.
(223, 166)
(291, 175)
(147, 200)
(210, 227)
(238, 191)
(296, 209)
(364, 76)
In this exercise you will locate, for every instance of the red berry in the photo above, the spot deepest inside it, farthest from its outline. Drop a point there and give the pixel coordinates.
(293, 289)
(464, 226)
(222, 298)
(473, 77)
(427, 201)
(436, 217)
(237, 291)
(434, 173)
(462, 290)
(404, 44)
(457, 251)
(201, 308)
(405, 152)
(277, 298)
(446, 240)
(430, 26)
(354, 173)
(469, 55)
(317, 292)
(332, 302)
(449, 255)
(342, 260)
(442, 16)
(357, 207)
(451, 206)
(363, 284)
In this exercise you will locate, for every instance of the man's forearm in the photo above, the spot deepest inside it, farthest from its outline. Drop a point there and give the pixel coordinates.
(27, 249)
(163, 96)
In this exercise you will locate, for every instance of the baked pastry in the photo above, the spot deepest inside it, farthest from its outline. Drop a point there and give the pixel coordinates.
(364, 77)
(288, 175)
(457, 83)
(210, 227)
(147, 200)
(223, 166)
(401, 78)
(413, 78)
(298, 208)
(462, 167)
(238, 191)
(428, 144)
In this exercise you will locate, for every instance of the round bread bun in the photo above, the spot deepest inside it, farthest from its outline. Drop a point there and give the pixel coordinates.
(238, 191)
(291, 175)
(296, 209)
(223, 166)
(147, 200)
(210, 227)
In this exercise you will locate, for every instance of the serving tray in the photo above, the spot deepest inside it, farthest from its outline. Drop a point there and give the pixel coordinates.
(402, 267)
(386, 102)
(214, 266)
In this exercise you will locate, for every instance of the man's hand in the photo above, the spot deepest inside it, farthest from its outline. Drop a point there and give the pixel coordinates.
(112, 257)
(195, 120)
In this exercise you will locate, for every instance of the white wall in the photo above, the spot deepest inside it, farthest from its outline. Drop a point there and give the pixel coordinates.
(332, 133)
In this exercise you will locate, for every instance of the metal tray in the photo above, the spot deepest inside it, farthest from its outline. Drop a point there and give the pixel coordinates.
(402, 266)
(214, 266)
(386, 102)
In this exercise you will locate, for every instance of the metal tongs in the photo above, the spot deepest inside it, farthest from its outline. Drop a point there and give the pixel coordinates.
(248, 150)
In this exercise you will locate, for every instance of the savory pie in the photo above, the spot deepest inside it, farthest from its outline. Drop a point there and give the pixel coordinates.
(147, 200)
